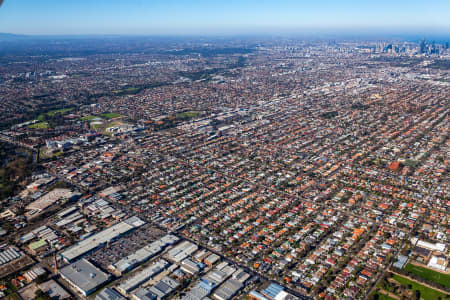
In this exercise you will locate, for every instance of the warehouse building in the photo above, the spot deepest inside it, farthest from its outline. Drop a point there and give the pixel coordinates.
(143, 294)
(241, 276)
(131, 261)
(54, 290)
(34, 273)
(438, 262)
(109, 294)
(9, 254)
(227, 290)
(142, 276)
(199, 291)
(164, 287)
(401, 261)
(84, 276)
(272, 290)
(101, 238)
(50, 198)
(182, 251)
(190, 267)
(212, 259)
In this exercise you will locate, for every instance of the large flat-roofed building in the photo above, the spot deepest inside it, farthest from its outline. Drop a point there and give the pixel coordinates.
(241, 276)
(200, 291)
(109, 294)
(427, 245)
(438, 262)
(401, 261)
(84, 276)
(190, 267)
(143, 294)
(227, 290)
(131, 261)
(183, 250)
(101, 238)
(49, 199)
(212, 259)
(142, 276)
(54, 290)
(164, 287)
(257, 296)
(272, 290)
(40, 182)
(9, 254)
(431, 246)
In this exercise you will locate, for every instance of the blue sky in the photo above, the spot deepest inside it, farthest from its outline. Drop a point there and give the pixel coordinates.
(225, 16)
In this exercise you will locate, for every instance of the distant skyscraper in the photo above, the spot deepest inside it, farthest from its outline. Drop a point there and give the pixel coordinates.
(422, 46)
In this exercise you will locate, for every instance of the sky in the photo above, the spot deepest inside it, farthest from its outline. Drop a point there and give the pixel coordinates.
(48, 17)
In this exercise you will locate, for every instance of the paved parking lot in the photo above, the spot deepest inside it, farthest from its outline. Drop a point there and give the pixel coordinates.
(126, 245)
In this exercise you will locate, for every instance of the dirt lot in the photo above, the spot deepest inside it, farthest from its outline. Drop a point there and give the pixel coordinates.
(27, 293)
(15, 265)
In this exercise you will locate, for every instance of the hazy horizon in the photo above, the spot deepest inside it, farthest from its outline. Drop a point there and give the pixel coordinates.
(201, 17)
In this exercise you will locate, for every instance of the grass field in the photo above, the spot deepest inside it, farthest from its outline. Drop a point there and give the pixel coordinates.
(41, 117)
(41, 125)
(110, 115)
(59, 111)
(386, 287)
(52, 113)
(88, 118)
(44, 154)
(425, 292)
(127, 90)
(188, 114)
(428, 274)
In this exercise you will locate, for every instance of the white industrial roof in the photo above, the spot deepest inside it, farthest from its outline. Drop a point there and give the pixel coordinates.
(100, 238)
(84, 275)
